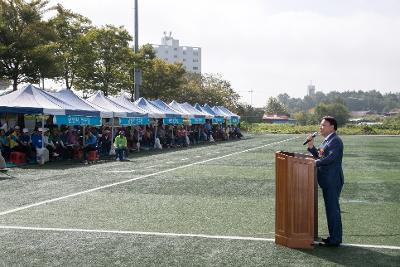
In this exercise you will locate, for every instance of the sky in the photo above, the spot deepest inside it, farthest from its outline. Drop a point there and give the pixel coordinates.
(271, 47)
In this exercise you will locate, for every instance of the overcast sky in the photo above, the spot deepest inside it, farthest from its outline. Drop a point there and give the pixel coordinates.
(272, 46)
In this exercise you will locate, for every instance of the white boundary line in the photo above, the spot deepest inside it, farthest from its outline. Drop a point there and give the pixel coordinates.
(137, 178)
(246, 238)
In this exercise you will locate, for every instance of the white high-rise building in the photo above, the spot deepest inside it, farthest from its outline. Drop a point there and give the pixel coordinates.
(170, 51)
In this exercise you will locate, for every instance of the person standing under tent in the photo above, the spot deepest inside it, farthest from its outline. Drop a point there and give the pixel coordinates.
(121, 146)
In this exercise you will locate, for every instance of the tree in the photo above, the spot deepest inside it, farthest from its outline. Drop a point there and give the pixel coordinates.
(70, 50)
(249, 113)
(107, 63)
(336, 110)
(218, 92)
(22, 33)
(275, 107)
(162, 80)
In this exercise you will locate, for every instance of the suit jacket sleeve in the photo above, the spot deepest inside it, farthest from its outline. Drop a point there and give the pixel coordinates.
(314, 152)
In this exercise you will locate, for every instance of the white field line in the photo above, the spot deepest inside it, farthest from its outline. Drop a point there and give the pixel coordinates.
(121, 171)
(137, 178)
(247, 238)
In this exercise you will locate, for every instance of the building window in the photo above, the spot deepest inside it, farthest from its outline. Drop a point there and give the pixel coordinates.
(184, 59)
(176, 49)
(195, 60)
(175, 56)
(166, 51)
(195, 53)
(195, 68)
(184, 52)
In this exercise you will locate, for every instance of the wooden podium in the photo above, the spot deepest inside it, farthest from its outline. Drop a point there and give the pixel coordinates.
(296, 205)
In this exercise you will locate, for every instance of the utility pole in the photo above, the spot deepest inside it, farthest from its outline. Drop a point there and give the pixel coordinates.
(251, 97)
(137, 71)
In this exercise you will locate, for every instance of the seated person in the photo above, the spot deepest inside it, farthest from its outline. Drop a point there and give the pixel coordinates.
(25, 141)
(208, 129)
(237, 133)
(161, 135)
(148, 137)
(42, 153)
(181, 136)
(49, 144)
(104, 142)
(60, 147)
(121, 146)
(90, 145)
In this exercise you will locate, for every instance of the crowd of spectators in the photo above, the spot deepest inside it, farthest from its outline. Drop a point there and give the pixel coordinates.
(75, 142)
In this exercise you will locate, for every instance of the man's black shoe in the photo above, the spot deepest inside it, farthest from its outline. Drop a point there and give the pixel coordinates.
(328, 245)
(325, 240)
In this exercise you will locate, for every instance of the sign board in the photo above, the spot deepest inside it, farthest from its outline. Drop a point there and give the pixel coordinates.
(197, 120)
(76, 120)
(134, 121)
(172, 120)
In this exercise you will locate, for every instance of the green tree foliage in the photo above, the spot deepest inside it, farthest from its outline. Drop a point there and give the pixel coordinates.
(107, 64)
(24, 40)
(162, 80)
(336, 110)
(249, 113)
(70, 50)
(208, 88)
(392, 122)
(353, 100)
(275, 107)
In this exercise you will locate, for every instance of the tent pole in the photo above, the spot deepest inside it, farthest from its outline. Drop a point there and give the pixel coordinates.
(42, 131)
(83, 135)
(112, 130)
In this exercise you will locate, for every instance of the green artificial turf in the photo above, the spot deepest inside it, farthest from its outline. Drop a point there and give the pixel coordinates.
(225, 196)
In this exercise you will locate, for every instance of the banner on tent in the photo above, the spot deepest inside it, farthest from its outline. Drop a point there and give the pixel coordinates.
(134, 121)
(172, 120)
(76, 120)
(233, 121)
(197, 120)
(218, 120)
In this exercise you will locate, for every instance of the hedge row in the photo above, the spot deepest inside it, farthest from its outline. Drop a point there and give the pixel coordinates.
(299, 129)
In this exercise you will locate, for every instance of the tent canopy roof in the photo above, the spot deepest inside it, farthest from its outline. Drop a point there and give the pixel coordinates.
(153, 111)
(169, 111)
(32, 100)
(132, 107)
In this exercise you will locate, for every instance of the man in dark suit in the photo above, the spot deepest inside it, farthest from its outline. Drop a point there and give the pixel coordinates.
(330, 176)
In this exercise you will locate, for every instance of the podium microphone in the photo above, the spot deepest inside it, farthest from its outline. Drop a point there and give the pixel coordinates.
(312, 137)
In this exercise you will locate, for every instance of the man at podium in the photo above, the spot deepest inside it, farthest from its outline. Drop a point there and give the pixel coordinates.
(330, 176)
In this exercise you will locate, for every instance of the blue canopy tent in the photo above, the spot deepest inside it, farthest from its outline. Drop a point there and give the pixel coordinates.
(100, 100)
(195, 116)
(171, 116)
(153, 111)
(138, 116)
(32, 100)
(218, 118)
(219, 112)
(209, 114)
(234, 118)
(89, 115)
